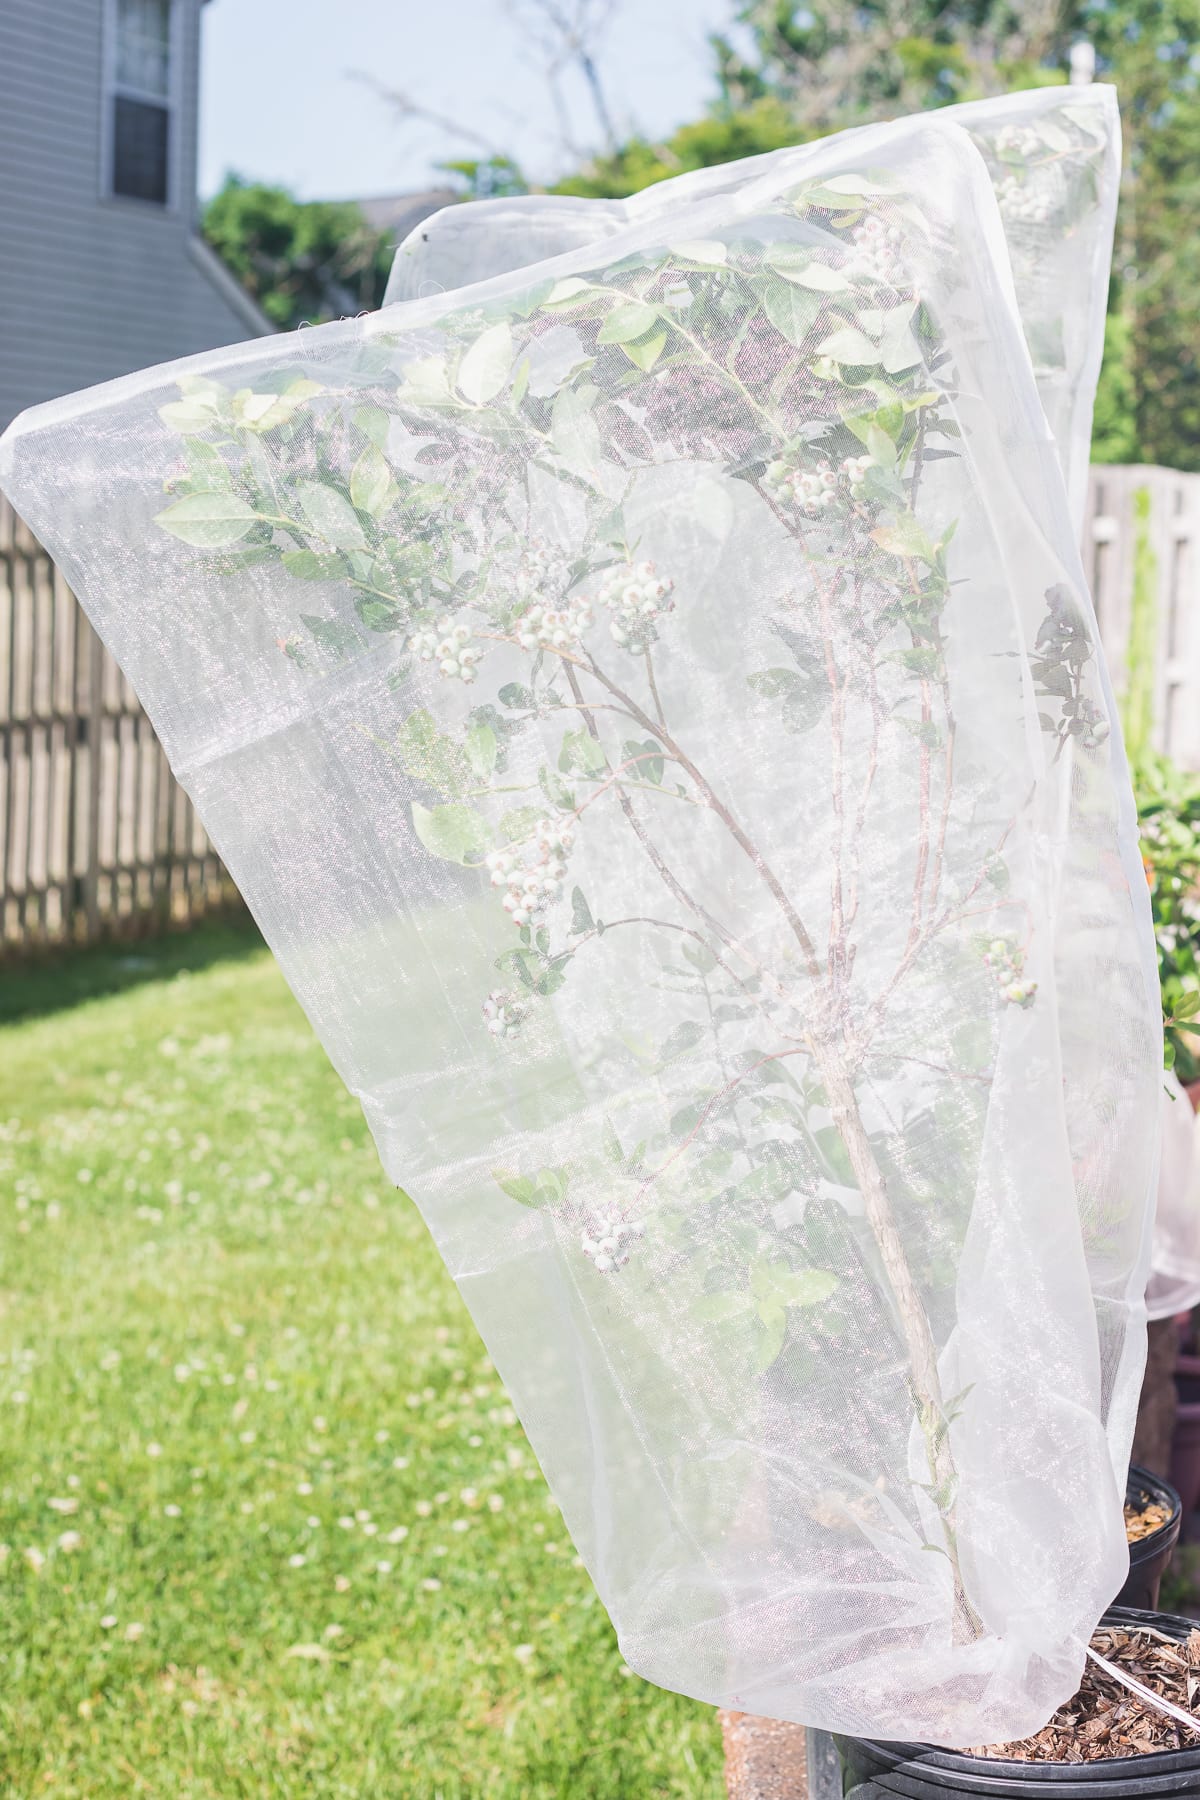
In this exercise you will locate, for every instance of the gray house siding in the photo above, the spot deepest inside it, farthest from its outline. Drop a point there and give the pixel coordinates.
(93, 286)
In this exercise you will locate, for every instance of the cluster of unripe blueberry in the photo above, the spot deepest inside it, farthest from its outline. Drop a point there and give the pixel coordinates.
(554, 627)
(1022, 202)
(1020, 140)
(532, 886)
(1007, 961)
(877, 250)
(450, 647)
(503, 1013)
(608, 1240)
(818, 489)
(635, 595)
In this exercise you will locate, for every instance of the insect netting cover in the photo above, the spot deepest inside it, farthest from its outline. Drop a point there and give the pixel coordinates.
(1054, 155)
(653, 707)
(1174, 1284)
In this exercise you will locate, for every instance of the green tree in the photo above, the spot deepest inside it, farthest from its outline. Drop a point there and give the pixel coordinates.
(1148, 48)
(844, 62)
(302, 261)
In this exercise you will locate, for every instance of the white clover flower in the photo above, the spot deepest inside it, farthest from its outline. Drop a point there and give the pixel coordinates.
(607, 1240)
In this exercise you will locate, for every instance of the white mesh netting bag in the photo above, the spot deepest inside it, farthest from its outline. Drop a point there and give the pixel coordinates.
(1054, 155)
(653, 708)
(1174, 1284)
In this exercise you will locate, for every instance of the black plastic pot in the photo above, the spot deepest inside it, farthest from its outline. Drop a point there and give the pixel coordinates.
(873, 1771)
(1149, 1556)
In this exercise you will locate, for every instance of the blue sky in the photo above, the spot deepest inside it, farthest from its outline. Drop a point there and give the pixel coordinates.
(281, 101)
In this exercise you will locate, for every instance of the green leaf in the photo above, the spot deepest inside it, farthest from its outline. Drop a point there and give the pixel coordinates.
(484, 369)
(850, 346)
(799, 266)
(702, 253)
(379, 615)
(686, 1035)
(791, 310)
(881, 447)
(518, 822)
(581, 912)
(481, 750)
(513, 694)
(208, 520)
(646, 353)
(454, 833)
(565, 295)
(429, 756)
(770, 1332)
(207, 465)
(773, 684)
(372, 421)
(700, 957)
(627, 322)
(371, 483)
(581, 752)
(647, 759)
(900, 348)
(331, 515)
(573, 431)
(188, 415)
(331, 634)
(807, 1287)
(612, 1143)
(308, 565)
(716, 1307)
(905, 537)
(547, 1188)
(685, 1121)
(425, 384)
(555, 789)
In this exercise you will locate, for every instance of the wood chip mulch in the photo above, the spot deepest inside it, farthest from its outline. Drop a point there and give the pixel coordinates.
(1140, 1521)
(1105, 1719)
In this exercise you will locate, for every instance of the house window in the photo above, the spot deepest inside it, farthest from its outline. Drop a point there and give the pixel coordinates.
(140, 100)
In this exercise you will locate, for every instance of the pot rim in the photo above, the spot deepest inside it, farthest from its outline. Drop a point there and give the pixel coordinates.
(961, 1762)
(1141, 1549)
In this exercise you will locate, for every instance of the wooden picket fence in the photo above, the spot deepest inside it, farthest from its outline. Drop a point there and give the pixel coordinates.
(1142, 533)
(97, 839)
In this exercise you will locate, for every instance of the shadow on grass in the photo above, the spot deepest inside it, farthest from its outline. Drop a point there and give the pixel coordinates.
(51, 980)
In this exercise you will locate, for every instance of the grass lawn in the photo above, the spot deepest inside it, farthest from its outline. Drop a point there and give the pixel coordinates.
(269, 1525)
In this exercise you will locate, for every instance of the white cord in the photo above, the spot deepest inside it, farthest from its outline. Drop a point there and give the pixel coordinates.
(1147, 1694)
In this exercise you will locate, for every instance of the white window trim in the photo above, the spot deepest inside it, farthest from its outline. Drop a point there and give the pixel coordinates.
(173, 102)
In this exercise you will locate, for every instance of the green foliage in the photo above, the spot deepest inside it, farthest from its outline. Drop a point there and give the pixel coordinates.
(1147, 48)
(1114, 422)
(303, 261)
(838, 62)
(226, 1344)
(487, 177)
(1137, 704)
(1168, 801)
(722, 136)
(797, 69)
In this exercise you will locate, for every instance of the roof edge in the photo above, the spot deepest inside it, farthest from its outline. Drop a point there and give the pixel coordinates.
(229, 287)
